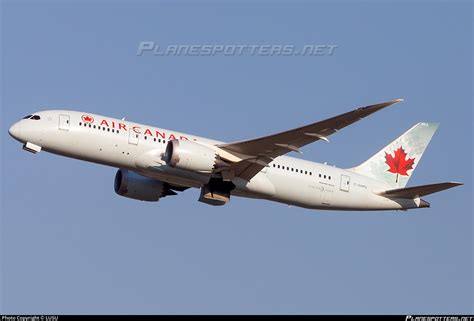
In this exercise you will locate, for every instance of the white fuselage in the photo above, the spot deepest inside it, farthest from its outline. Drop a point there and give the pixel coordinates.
(140, 148)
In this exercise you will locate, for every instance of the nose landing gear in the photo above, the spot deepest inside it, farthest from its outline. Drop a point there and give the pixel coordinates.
(32, 148)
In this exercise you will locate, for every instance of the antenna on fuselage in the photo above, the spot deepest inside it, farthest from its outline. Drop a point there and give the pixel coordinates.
(123, 118)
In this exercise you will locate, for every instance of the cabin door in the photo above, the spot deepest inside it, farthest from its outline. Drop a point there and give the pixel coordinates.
(64, 122)
(345, 183)
(133, 137)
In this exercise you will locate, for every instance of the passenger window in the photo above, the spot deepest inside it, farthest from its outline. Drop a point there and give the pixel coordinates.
(94, 126)
(80, 123)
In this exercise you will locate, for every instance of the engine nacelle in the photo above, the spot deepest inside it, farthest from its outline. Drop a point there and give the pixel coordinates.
(191, 156)
(133, 185)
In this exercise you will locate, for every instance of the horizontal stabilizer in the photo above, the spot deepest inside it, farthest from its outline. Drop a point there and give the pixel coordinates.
(418, 191)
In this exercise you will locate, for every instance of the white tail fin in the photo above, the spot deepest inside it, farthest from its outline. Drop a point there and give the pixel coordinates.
(396, 162)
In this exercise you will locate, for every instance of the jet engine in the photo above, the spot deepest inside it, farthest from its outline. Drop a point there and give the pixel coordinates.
(132, 185)
(191, 156)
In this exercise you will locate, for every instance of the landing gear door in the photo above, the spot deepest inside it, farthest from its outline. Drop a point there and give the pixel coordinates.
(133, 137)
(64, 122)
(345, 183)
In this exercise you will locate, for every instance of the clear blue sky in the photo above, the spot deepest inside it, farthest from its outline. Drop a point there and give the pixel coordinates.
(69, 244)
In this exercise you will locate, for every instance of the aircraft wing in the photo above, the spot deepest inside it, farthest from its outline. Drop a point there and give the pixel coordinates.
(263, 150)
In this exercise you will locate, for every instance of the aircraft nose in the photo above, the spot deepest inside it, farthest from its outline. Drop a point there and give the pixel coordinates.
(14, 131)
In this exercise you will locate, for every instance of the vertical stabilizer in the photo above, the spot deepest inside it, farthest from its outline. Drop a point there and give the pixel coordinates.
(396, 162)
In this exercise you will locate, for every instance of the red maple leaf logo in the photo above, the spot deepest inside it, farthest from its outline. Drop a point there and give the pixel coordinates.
(398, 164)
(87, 119)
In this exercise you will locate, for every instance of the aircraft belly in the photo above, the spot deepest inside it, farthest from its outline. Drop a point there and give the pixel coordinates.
(259, 185)
(300, 192)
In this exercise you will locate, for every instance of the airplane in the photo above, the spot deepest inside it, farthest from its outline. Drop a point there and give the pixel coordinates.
(154, 163)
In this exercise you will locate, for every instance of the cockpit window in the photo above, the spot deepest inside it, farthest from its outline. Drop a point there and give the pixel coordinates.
(34, 117)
